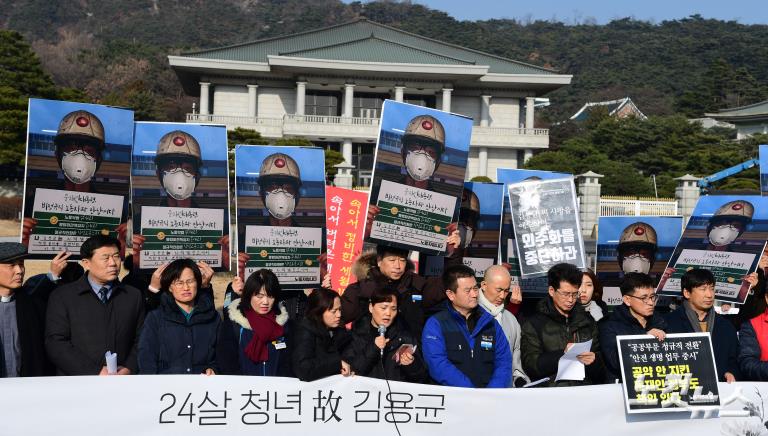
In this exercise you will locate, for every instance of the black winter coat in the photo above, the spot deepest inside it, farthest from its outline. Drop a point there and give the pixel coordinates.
(31, 300)
(725, 343)
(316, 353)
(545, 335)
(752, 368)
(621, 322)
(365, 357)
(169, 344)
(80, 328)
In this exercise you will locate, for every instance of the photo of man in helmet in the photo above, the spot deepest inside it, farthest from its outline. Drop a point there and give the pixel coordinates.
(637, 248)
(728, 223)
(178, 161)
(279, 183)
(68, 146)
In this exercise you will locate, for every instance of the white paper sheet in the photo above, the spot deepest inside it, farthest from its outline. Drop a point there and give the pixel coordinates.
(569, 368)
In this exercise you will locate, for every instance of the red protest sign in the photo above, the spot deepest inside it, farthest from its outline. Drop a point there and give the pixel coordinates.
(345, 222)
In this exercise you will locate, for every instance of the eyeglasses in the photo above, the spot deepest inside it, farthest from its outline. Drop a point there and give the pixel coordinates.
(569, 295)
(646, 299)
(183, 283)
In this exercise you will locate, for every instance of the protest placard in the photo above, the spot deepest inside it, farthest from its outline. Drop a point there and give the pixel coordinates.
(344, 212)
(418, 178)
(180, 185)
(281, 212)
(77, 175)
(633, 244)
(545, 219)
(763, 159)
(726, 234)
(675, 374)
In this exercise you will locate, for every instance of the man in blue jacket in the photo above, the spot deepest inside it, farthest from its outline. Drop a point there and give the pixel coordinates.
(463, 345)
(696, 314)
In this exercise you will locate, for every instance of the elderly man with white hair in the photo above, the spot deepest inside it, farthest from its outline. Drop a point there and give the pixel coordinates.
(495, 288)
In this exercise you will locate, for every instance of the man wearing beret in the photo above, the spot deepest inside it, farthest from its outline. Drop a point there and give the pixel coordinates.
(22, 313)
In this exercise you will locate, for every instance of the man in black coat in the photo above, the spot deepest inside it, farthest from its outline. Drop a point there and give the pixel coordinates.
(697, 314)
(95, 314)
(22, 313)
(635, 316)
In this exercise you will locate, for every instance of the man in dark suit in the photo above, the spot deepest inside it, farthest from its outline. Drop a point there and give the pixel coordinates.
(22, 313)
(95, 314)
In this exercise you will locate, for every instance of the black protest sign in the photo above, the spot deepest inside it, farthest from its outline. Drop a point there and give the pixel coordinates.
(673, 375)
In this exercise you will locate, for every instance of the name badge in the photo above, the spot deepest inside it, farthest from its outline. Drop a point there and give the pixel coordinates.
(280, 345)
(416, 297)
(485, 345)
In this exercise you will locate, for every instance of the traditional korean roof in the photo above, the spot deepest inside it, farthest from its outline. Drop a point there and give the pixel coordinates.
(752, 112)
(614, 108)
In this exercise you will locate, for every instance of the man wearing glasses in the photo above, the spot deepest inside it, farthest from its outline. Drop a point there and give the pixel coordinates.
(95, 314)
(558, 324)
(634, 317)
(463, 345)
(697, 314)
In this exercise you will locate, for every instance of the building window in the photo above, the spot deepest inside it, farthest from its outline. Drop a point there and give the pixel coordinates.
(362, 159)
(322, 103)
(421, 100)
(368, 105)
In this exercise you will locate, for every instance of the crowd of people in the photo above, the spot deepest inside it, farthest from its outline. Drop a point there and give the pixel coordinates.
(453, 330)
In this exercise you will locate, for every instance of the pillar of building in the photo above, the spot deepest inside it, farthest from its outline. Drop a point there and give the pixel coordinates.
(205, 90)
(301, 93)
(349, 96)
(485, 110)
(447, 98)
(529, 102)
(687, 195)
(527, 154)
(252, 100)
(399, 91)
(482, 161)
(589, 196)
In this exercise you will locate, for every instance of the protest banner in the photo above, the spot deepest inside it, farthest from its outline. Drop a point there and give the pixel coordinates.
(345, 219)
(171, 405)
(77, 176)
(281, 212)
(669, 375)
(763, 159)
(180, 185)
(418, 177)
(633, 244)
(507, 254)
(545, 220)
(479, 226)
(726, 234)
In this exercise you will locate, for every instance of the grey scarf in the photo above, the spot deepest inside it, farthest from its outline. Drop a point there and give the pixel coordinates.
(693, 317)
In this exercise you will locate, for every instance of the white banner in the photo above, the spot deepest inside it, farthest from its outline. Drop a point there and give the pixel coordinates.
(184, 405)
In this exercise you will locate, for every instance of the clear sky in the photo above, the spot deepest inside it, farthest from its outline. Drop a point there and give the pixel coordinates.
(602, 11)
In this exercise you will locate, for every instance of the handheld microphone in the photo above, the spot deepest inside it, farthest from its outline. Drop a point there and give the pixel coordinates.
(382, 332)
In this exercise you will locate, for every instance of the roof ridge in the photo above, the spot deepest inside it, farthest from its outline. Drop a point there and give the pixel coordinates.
(759, 103)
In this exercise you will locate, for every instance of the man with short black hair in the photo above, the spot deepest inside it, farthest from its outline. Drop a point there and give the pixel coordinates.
(559, 323)
(95, 314)
(697, 314)
(463, 344)
(635, 316)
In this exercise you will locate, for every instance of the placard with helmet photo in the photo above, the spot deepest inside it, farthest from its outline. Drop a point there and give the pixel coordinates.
(507, 253)
(726, 234)
(479, 226)
(280, 194)
(626, 244)
(180, 187)
(418, 177)
(77, 180)
(763, 159)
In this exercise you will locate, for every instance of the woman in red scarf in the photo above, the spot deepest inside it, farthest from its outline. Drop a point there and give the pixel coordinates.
(254, 341)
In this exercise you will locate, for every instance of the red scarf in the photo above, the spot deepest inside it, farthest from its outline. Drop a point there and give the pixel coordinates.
(265, 330)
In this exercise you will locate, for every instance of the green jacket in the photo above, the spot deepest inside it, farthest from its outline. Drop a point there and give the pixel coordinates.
(545, 336)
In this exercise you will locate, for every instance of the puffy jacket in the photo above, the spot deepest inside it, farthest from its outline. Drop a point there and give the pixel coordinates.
(366, 359)
(317, 350)
(444, 357)
(545, 336)
(169, 344)
(750, 352)
(235, 335)
(725, 343)
(621, 322)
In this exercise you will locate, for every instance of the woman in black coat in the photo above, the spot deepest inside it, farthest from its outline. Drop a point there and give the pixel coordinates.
(381, 346)
(180, 336)
(320, 338)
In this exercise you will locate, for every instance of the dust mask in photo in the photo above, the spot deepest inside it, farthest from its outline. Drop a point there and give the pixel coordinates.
(178, 183)
(636, 264)
(78, 166)
(419, 165)
(723, 235)
(280, 204)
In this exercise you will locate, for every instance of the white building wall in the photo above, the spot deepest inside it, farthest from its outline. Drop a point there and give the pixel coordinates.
(276, 102)
(501, 158)
(472, 165)
(504, 112)
(230, 100)
(468, 106)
